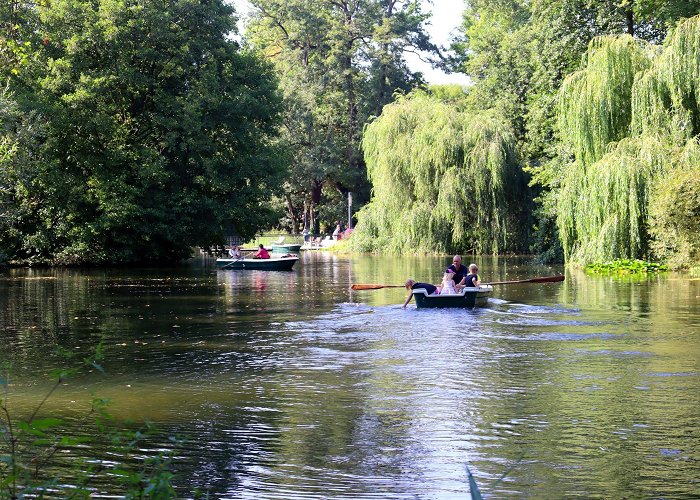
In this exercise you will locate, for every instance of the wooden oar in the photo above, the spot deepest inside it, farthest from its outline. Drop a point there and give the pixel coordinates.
(374, 287)
(545, 279)
(229, 264)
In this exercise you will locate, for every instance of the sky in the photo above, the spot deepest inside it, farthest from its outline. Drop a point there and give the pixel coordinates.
(447, 16)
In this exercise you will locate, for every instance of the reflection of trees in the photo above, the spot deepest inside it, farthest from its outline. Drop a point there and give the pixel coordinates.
(595, 396)
(291, 387)
(40, 310)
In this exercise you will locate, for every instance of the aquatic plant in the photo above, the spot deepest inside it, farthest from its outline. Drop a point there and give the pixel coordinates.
(625, 266)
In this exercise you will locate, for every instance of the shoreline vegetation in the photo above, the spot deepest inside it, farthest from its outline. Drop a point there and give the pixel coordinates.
(578, 140)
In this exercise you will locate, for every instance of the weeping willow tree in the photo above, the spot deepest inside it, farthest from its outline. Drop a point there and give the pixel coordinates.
(627, 118)
(444, 180)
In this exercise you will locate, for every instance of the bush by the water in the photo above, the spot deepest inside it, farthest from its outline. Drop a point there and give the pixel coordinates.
(675, 211)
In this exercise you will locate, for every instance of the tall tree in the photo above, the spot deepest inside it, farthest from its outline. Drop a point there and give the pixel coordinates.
(339, 62)
(445, 178)
(518, 54)
(158, 133)
(631, 120)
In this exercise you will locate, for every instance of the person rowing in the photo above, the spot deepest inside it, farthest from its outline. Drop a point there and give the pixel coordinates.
(262, 253)
(460, 272)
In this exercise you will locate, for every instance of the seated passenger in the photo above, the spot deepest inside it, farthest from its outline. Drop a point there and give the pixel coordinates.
(448, 283)
(234, 252)
(261, 253)
(472, 279)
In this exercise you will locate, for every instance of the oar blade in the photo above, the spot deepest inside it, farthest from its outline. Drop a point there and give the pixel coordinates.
(473, 487)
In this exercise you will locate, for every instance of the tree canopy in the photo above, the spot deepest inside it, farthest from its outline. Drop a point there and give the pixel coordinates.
(155, 133)
(445, 178)
(525, 57)
(631, 119)
(338, 63)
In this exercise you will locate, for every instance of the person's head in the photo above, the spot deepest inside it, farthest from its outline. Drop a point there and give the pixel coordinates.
(260, 246)
(449, 274)
(457, 260)
(473, 269)
(409, 284)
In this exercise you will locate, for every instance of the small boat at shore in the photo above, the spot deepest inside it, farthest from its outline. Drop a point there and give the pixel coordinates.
(283, 263)
(286, 247)
(467, 297)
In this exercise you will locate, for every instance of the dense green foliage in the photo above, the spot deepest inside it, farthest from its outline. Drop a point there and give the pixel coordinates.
(338, 63)
(675, 211)
(134, 132)
(631, 120)
(520, 52)
(445, 179)
(625, 266)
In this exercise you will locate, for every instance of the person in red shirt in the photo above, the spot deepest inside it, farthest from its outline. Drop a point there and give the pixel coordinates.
(261, 253)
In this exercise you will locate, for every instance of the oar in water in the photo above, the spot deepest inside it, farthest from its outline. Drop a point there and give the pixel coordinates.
(474, 492)
(243, 256)
(544, 279)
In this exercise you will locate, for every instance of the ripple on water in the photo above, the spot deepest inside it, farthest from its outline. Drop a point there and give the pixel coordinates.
(572, 337)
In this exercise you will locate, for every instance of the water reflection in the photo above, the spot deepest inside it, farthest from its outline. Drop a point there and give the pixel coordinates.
(289, 385)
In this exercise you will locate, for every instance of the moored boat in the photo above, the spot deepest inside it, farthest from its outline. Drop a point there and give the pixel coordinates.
(284, 263)
(468, 297)
(286, 248)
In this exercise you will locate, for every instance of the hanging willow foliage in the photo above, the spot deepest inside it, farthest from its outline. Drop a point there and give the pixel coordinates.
(595, 102)
(444, 180)
(628, 117)
(603, 215)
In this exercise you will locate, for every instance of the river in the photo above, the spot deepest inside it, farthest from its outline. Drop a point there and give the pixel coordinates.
(288, 385)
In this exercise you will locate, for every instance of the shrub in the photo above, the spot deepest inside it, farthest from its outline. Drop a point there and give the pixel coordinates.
(675, 218)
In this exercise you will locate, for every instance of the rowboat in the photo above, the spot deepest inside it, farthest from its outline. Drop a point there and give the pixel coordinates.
(272, 264)
(467, 297)
(286, 248)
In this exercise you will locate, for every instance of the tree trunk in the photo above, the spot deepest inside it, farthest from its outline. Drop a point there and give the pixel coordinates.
(629, 19)
(382, 91)
(293, 215)
(315, 200)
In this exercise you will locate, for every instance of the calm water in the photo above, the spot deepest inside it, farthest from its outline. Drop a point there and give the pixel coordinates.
(291, 386)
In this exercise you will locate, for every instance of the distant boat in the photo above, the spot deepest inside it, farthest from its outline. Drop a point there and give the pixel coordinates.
(468, 297)
(272, 264)
(285, 248)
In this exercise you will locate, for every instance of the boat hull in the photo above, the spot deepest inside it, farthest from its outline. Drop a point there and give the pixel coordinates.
(469, 297)
(272, 264)
(291, 247)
